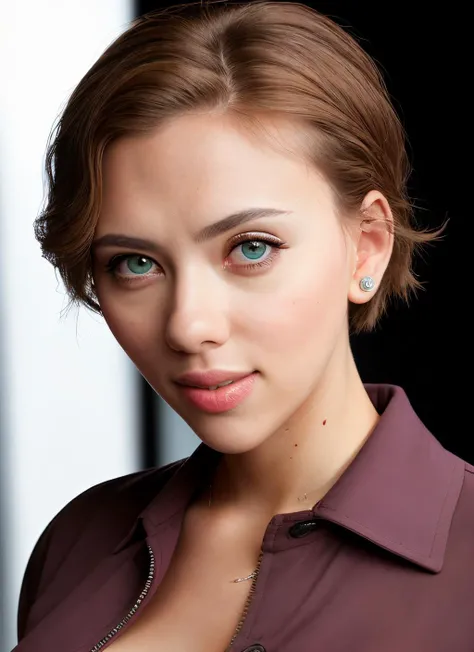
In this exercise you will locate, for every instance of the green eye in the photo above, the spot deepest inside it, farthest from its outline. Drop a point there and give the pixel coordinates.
(128, 266)
(254, 249)
(138, 264)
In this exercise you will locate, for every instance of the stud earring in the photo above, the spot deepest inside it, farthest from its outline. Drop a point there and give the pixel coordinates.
(367, 284)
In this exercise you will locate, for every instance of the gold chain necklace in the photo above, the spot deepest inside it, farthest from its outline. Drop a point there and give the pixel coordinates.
(254, 573)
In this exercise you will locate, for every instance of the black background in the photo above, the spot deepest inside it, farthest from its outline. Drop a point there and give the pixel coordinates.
(425, 57)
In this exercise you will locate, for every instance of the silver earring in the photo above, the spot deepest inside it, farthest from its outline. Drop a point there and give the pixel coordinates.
(367, 284)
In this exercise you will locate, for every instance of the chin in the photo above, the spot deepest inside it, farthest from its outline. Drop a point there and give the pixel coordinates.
(229, 446)
(229, 441)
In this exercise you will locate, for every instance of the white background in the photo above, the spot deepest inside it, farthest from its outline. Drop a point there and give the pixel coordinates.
(67, 391)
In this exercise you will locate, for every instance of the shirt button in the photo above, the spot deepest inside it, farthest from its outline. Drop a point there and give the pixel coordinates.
(302, 529)
(255, 648)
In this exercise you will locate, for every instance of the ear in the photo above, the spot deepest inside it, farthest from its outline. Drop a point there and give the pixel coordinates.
(373, 245)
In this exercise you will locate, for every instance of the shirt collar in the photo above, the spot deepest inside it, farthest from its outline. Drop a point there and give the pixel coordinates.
(399, 492)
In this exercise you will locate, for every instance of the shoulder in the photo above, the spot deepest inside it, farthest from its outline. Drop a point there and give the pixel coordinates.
(469, 468)
(114, 503)
(462, 523)
(467, 491)
(104, 512)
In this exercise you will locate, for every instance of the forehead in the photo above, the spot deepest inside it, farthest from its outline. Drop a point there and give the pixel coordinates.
(213, 164)
(202, 146)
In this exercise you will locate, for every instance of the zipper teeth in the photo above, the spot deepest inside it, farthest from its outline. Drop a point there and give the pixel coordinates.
(247, 603)
(146, 588)
(135, 607)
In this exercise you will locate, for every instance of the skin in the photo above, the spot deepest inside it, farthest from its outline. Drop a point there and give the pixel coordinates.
(199, 308)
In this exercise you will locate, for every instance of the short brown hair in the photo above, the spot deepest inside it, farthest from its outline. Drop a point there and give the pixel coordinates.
(279, 59)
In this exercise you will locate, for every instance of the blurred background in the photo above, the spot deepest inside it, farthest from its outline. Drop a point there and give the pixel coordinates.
(73, 410)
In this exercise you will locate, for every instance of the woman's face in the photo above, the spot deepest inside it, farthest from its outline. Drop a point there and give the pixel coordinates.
(186, 297)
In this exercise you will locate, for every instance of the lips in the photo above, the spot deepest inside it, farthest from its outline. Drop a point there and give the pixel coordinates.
(228, 382)
(210, 379)
(223, 399)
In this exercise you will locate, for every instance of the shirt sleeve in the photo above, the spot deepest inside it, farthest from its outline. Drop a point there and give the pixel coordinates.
(47, 554)
(32, 579)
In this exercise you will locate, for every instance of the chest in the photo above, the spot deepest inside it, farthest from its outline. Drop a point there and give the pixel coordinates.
(197, 606)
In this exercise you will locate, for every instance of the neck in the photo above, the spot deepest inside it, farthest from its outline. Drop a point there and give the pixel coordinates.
(296, 466)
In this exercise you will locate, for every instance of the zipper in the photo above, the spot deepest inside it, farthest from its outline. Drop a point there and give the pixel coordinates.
(247, 603)
(135, 607)
(144, 593)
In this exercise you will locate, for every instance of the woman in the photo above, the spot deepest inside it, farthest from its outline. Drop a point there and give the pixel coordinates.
(227, 188)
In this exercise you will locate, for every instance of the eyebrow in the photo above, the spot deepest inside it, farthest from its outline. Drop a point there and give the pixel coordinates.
(207, 233)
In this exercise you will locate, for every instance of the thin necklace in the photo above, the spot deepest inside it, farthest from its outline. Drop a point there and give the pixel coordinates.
(254, 573)
(237, 580)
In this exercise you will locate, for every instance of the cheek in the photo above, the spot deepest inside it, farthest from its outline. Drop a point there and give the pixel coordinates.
(306, 310)
(133, 325)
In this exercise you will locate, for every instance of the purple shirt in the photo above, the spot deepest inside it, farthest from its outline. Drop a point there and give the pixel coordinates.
(384, 563)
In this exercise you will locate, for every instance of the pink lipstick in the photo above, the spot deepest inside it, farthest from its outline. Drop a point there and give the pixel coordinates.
(218, 400)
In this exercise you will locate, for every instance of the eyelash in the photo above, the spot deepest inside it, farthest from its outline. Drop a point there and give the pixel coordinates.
(239, 240)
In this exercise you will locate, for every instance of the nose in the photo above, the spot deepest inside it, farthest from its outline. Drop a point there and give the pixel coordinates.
(198, 314)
